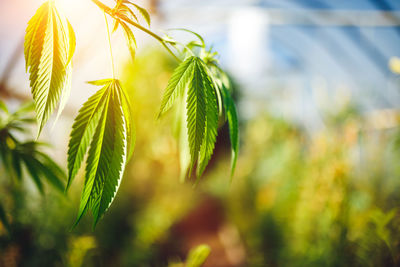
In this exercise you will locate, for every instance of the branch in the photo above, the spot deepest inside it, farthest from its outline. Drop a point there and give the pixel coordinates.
(110, 12)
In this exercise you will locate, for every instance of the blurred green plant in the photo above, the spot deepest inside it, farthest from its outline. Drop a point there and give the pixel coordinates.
(196, 257)
(18, 154)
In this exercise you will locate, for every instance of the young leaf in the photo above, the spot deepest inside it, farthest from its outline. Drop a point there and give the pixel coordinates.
(196, 112)
(143, 12)
(83, 129)
(48, 50)
(177, 83)
(130, 38)
(211, 131)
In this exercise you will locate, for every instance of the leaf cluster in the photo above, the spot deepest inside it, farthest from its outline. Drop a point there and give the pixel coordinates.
(18, 155)
(205, 89)
(104, 129)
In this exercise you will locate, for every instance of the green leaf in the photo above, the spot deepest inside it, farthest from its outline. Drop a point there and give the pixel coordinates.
(196, 112)
(48, 50)
(52, 172)
(84, 127)
(129, 123)
(34, 171)
(231, 115)
(184, 150)
(177, 83)
(108, 151)
(130, 38)
(207, 147)
(198, 256)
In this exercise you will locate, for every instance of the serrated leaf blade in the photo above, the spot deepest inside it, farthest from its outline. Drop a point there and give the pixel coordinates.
(196, 113)
(176, 85)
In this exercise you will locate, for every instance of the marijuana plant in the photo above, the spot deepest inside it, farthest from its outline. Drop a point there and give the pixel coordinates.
(104, 128)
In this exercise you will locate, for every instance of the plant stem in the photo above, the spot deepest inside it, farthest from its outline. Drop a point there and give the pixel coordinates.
(109, 11)
(109, 44)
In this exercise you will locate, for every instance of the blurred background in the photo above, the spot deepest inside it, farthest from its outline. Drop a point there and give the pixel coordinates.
(317, 183)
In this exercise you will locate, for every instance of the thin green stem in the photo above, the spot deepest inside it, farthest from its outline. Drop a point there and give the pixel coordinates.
(109, 11)
(109, 44)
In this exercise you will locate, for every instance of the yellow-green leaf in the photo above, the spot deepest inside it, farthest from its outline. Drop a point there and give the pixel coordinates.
(48, 48)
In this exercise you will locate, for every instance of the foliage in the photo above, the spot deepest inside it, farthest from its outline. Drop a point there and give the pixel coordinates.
(327, 198)
(49, 47)
(104, 120)
(17, 155)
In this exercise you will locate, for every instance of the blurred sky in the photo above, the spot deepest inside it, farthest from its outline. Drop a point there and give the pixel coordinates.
(292, 57)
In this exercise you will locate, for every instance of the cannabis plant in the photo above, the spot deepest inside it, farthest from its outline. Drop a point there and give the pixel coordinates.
(103, 128)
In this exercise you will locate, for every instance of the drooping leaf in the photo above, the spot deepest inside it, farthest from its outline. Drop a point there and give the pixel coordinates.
(72, 42)
(196, 112)
(34, 171)
(129, 123)
(108, 148)
(84, 127)
(124, 10)
(176, 85)
(231, 115)
(211, 129)
(143, 12)
(48, 50)
(130, 39)
(51, 171)
(184, 150)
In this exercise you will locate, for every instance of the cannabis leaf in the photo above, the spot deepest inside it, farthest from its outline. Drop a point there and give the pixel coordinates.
(49, 46)
(231, 116)
(196, 112)
(177, 83)
(201, 117)
(17, 155)
(142, 11)
(104, 127)
(130, 38)
(211, 132)
(205, 89)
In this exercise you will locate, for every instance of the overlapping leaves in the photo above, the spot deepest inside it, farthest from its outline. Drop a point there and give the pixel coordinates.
(49, 46)
(18, 156)
(123, 14)
(103, 129)
(194, 82)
